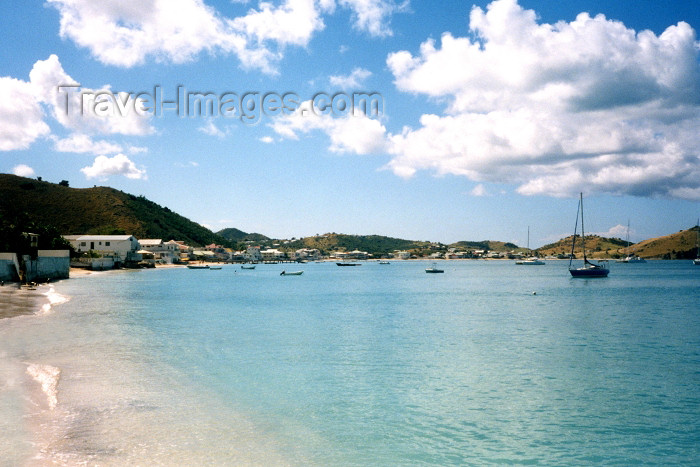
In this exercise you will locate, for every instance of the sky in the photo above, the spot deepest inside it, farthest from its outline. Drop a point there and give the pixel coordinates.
(484, 118)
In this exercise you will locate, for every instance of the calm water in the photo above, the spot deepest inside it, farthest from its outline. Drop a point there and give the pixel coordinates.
(373, 365)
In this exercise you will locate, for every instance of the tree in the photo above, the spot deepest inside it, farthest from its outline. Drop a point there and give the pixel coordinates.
(63, 183)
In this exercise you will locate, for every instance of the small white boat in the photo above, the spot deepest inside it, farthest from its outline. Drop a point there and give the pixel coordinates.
(248, 267)
(293, 273)
(531, 260)
(214, 267)
(384, 262)
(434, 270)
(631, 257)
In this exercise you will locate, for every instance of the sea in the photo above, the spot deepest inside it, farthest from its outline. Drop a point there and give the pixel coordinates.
(489, 363)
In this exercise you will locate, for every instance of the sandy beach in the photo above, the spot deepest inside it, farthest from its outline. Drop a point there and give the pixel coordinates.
(16, 300)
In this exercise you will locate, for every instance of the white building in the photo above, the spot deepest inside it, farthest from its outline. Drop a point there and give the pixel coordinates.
(165, 252)
(272, 254)
(120, 247)
(307, 254)
(252, 253)
(402, 255)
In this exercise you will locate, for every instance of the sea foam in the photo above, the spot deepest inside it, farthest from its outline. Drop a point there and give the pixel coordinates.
(47, 376)
(54, 298)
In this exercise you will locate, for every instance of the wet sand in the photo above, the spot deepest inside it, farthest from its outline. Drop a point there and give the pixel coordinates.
(17, 301)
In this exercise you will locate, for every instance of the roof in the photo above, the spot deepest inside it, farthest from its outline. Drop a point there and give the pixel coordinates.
(96, 238)
(151, 241)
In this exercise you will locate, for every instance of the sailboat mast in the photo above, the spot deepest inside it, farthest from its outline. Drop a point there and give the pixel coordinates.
(528, 238)
(583, 232)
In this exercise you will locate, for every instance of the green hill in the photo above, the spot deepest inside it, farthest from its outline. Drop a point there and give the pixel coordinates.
(236, 235)
(488, 245)
(596, 247)
(97, 211)
(376, 245)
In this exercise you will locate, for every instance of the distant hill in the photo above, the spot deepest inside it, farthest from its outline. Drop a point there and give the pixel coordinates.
(375, 244)
(236, 235)
(488, 245)
(98, 211)
(680, 245)
(596, 247)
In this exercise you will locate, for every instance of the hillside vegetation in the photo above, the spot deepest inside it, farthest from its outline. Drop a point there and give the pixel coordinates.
(97, 211)
(236, 235)
(596, 247)
(680, 245)
(375, 244)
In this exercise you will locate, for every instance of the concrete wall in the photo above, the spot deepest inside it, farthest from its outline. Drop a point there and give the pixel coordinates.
(8, 267)
(49, 264)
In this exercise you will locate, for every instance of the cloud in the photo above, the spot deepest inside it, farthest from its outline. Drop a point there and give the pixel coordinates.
(119, 164)
(588, 105)
(21, 115)
(267, 139)
(22, 104)
(617, 231)
(354, 80)
(211, 129)
(78, 108)
(373, 16)
(80, 143)
(351, 134)
(129, 32)
(478, 190)
(23, 170)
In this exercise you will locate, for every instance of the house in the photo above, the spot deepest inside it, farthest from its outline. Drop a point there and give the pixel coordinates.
(272, 254)
(122, 248)
(307, 254)
(402, 255)
(252, 253)
(164, 252)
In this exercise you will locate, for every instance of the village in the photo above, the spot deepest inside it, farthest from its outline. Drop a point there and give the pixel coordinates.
(104, 252)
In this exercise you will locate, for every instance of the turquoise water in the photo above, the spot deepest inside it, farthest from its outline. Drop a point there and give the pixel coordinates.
(372, 365)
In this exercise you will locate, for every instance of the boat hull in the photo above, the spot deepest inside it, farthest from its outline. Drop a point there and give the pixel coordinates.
(597, 272)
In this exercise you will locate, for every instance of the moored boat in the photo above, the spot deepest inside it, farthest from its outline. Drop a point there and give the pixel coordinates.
(588, 269)
(349, 264)
(434, 270)
(197, 266)
(531, 260)
(292, 273)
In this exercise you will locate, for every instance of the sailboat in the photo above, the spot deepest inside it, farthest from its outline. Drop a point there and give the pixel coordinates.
(588, 269)
(696, 261)
(531, 260)
(630, 258)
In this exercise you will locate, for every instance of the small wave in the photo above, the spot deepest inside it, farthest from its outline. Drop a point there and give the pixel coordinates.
(47, 376)
(54, 298)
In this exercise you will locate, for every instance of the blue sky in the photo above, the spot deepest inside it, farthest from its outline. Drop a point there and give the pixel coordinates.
(495, 114)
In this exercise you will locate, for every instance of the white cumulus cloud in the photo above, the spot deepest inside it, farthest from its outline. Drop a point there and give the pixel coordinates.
(128, 32)
(81, 143)
(556, 108)
(353, 80)
(119, 164)
(21, 115)
(356, 134)
(23, 170)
